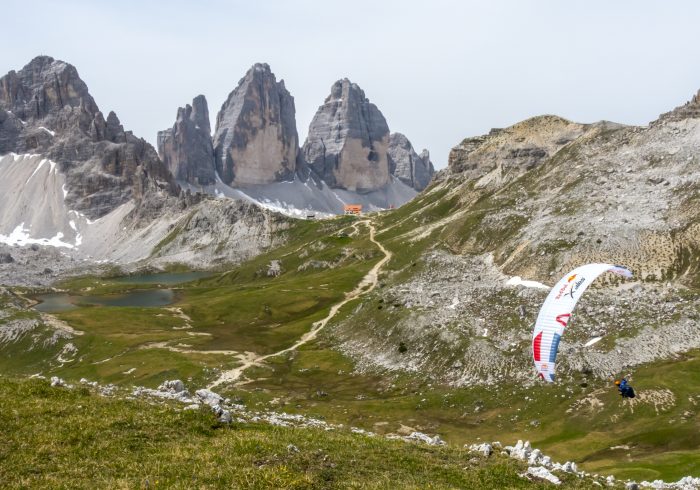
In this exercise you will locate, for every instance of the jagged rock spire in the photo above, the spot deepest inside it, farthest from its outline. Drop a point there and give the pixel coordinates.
(186, 148)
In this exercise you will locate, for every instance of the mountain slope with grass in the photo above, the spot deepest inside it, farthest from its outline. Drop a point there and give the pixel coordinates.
(106, 442)
(442, 344)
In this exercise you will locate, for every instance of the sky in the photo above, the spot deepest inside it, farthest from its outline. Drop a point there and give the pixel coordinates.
(438, 70)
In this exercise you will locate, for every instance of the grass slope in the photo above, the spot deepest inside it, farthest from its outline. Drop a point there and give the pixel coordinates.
(59, 438)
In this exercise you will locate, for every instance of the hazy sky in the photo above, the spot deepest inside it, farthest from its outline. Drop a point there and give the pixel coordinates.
(438, 70)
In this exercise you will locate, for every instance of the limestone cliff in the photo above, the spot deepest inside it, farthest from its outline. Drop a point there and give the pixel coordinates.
(348, 140)
(186, 148)
(256, 138)
(406, 165)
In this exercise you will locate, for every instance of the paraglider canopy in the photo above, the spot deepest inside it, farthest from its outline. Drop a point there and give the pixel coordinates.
(556, 311)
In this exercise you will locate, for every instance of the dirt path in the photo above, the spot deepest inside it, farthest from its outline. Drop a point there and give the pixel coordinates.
(367, 284)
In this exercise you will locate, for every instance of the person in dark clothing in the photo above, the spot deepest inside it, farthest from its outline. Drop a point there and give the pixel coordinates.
(625, 389)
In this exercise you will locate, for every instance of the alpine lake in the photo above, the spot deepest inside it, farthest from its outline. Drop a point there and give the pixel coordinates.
(137, 297)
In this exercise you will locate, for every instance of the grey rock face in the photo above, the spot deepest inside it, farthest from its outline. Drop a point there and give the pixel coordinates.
(46, 108)
(690, 109)
(186, 148)
(505, 154)
(348, 140)
(256, 139)
(406, 165)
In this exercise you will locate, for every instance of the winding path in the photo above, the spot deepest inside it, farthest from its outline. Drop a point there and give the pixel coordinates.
(367, 284)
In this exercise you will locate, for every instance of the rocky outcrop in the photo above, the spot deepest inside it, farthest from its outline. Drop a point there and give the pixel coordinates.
(256, 139)
(46, 108)
(690, 109)
(348, 141)
(186, 148)
(219, 231)
(505, 154)
(406, 165)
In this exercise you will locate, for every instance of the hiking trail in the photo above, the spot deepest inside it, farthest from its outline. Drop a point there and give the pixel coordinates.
(366, 285)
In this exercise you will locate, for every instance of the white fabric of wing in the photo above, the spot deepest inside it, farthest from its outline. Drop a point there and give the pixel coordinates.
(552, 307)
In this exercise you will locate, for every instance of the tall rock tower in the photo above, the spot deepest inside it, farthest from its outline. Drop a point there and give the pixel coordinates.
(186, 148)
(348, 140)
(256, 139)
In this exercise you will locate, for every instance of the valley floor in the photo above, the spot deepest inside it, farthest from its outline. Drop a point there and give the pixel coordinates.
(263, 318)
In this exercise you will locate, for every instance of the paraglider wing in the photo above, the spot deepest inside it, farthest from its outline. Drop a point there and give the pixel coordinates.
(556, 311)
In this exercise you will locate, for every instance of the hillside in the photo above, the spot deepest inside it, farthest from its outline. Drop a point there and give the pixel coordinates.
(104, 442)
(420, 318)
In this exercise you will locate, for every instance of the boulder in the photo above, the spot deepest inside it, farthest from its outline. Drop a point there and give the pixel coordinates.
(186, 148)
(208, 397)
(256, 139)
(173, 386)
(348, 140)
(485, 448)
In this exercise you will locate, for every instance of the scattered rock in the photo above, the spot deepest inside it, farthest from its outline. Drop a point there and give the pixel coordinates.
(208, 397)
(174, 386)
(274, 269)
(485, 448)
(542, 473)
(432, 441)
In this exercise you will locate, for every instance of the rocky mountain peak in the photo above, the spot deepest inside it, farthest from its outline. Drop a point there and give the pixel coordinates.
(186, 148)
(348, 140)
(46, 108)
(256, 139)
(200, 113)
(408, 166)
(42, 88)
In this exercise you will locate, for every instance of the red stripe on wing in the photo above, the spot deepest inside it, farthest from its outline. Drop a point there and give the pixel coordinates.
(536, 346)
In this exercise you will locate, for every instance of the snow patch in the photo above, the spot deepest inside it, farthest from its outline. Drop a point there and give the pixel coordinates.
(41, 164)
(592, 341)
(20, 236)
(518, 281)
(52, 133)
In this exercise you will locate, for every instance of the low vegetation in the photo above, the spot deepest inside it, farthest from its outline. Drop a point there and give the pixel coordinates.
(60, 438)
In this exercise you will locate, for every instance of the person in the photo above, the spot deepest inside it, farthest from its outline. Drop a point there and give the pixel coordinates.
(624, 388)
